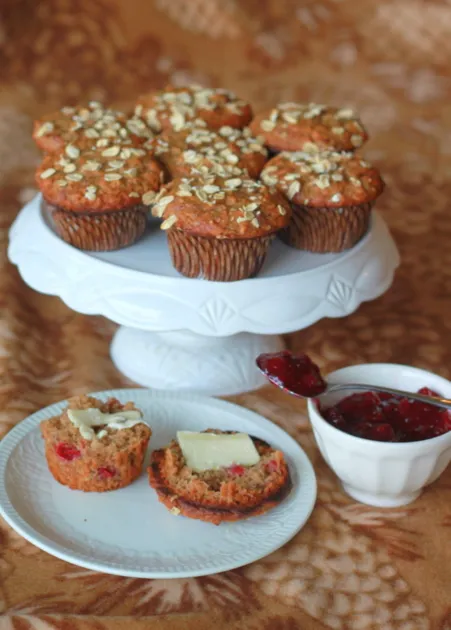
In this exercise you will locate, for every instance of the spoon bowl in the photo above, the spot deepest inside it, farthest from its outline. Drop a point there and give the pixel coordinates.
(303, 380)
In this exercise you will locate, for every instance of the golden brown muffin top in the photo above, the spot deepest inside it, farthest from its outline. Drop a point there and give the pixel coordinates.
(173, 107)
(83, 125)
(111, 177)
(299, 127)
(197, 150)
(237, 207)
(323, 179)
(61, 429)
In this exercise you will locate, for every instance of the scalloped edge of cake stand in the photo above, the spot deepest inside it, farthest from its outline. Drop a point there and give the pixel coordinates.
(195, 335)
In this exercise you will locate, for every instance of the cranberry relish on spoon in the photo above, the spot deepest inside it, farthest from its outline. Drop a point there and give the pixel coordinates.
(384, 417)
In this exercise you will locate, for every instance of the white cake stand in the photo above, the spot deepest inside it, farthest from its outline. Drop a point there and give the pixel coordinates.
(180, 333)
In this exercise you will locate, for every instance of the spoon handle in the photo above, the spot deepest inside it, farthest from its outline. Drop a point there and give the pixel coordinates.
(445, 403)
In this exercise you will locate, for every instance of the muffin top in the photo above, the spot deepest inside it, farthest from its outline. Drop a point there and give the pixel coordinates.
(297, 127)
(110, 177)
(216, 207)
(195, 150)
(62, 431)
(323, 179)
(173, 107)
(83, 126)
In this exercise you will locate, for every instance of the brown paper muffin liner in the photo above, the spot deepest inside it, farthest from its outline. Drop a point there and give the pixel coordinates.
(326, 230)
(100, 231)
(221, 260)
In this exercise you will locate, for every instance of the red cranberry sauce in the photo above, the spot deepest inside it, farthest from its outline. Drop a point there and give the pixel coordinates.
(295, 373)
(387, 418)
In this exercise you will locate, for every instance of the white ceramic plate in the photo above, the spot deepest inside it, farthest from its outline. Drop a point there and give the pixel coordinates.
(128, 532)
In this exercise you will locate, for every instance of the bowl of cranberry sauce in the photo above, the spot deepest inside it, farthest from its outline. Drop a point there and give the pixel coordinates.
(383, 449)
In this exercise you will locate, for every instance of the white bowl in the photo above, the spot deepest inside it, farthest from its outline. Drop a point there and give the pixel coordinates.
(384, 474)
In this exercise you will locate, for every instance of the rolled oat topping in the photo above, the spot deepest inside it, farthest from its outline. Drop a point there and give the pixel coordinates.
(89, 180)
(195, 150)
(84, 127)
(211, 206)
(309, 127)
(326, 179)
(173, 108)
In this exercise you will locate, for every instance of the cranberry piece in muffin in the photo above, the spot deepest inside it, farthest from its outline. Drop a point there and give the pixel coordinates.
(97, 199)
(85, 454)
(173, 107)
(331, 196)
(295, 127)
(83, 126)
(195, 150)
(220, 229)
(224, 494)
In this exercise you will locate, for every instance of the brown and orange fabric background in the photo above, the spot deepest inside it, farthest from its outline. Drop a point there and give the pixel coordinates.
(352, 567)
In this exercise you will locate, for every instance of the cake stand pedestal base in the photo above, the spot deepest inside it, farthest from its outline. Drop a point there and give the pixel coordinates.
(188, 333)
(218, 366)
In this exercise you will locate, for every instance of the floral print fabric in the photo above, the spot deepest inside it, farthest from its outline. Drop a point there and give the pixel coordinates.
(352, 567)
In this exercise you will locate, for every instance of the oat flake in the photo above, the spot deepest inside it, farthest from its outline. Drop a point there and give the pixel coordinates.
(47, 173)
(72, 151)
(148, 197)
(169, 222)
(293, 189)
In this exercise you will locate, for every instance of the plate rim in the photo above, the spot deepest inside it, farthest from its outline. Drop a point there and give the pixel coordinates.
(7, 510)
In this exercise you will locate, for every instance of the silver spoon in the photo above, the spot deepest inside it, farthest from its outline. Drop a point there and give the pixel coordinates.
(445, 403)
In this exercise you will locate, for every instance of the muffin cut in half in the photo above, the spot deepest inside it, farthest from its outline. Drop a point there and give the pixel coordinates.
(220, 228)
(96, 199)
(331, 196)
(96, 446)
(298, 127)
(224, 494)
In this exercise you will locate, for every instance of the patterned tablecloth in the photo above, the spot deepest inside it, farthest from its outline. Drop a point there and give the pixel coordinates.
(352, 567)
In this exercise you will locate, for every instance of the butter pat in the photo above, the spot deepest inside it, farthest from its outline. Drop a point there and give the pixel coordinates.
(85, 419)
(208, 451)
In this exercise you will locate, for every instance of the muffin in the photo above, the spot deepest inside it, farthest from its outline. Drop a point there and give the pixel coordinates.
(97, 200)
(83, 126)
(331, 195)
(194, 151)
(220, 495)
(295, 127)
(220, 229)
(95, 452)
(173, 107)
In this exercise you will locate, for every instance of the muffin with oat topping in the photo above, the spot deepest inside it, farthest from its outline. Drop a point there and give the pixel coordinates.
(173, 107)
(195, 150)
(312, 127)
(83, 126)
(220, 228)
(96, 446)
(331, 195)
(96, 199)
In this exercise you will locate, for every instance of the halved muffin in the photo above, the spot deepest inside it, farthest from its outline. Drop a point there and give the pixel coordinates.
(96, 446)
(223, 494)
